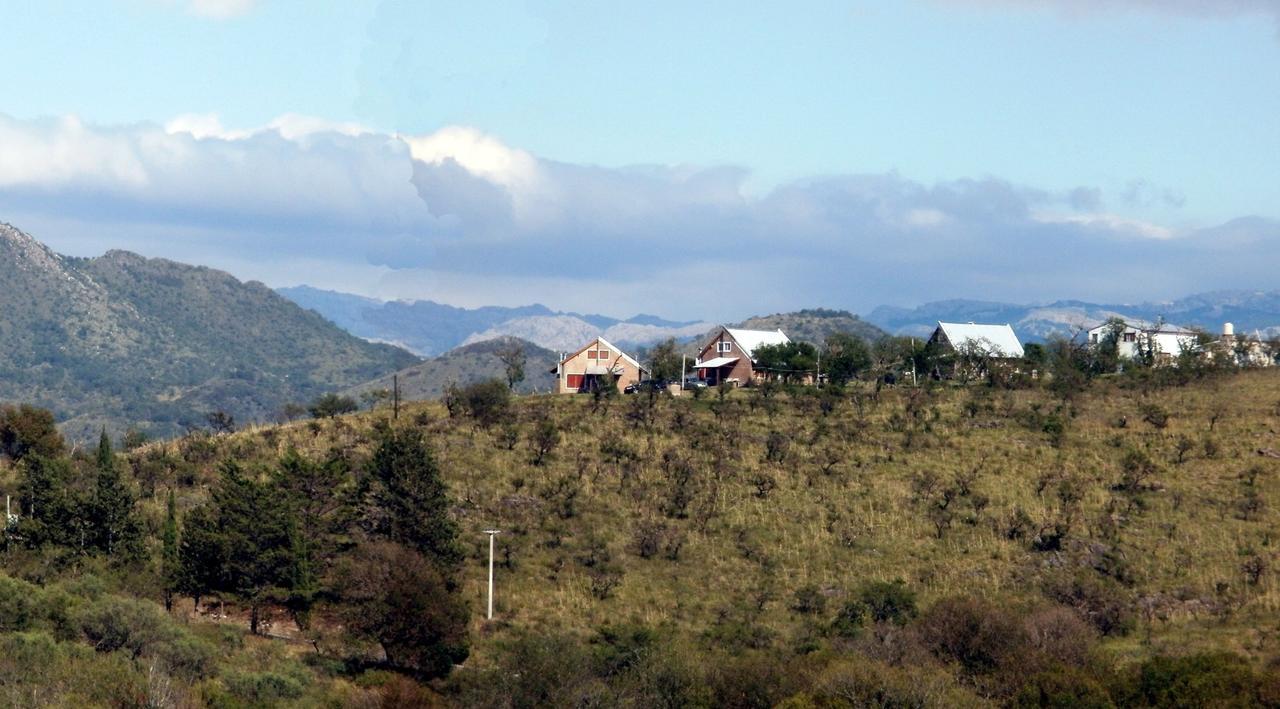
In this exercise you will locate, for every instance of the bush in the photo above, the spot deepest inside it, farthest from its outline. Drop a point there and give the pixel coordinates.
(331, 405)
(888, 602)
(488, 402)
(979, 635)
(262, 688)
(1211, 679)
(1062, 689)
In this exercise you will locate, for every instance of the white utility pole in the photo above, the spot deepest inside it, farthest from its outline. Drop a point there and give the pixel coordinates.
(683, 359)
(492, 533)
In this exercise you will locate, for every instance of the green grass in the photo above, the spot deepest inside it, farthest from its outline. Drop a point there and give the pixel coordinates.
(1181, 543)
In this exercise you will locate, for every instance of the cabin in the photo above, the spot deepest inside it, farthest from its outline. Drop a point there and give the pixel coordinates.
(1137, 338)
(994, 341)
(597, 361)
(727, 358)
(971, 347)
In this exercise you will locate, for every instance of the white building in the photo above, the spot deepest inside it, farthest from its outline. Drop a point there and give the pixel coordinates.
(1165, 342)
(998, 341)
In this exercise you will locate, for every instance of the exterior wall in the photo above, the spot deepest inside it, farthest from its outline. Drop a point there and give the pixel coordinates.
(1126, 346)
(741, 370)
(576, 367)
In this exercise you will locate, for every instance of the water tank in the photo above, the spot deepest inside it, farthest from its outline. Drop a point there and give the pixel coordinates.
(1228, 330)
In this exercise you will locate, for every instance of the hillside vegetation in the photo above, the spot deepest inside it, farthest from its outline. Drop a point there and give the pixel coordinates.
(123, 340)
(940, 546)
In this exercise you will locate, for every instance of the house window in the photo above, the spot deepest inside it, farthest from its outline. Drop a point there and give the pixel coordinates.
(1094, 338)
(591, 354)
(1131, 337)
(603, 354)
(574, 381)
(725, 347)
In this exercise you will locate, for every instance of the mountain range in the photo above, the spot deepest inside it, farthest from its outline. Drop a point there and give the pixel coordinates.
(1249, 311)
(465, 365)
(430, 329)
(122, 340)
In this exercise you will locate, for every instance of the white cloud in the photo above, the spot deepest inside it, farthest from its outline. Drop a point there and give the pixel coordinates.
(220, 9)
(1192, 8)
(457, 213)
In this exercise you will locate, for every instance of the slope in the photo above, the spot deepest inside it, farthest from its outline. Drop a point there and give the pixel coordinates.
(123, 340)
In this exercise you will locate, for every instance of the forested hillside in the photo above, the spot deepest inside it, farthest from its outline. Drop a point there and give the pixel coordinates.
(1034, 542)
(122, 340)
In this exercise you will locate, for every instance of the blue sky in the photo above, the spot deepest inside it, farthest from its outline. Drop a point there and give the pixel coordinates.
(478, 152)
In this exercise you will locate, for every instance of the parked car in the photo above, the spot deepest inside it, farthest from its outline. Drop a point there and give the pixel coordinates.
(695, 383)
(646, 386)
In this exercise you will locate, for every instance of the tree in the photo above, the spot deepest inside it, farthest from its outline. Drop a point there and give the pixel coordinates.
(51, 508)
(316, 495)
(26, 429)
(488, 402)
(513, 358)
(410, 504)
(221, 421)
(845, 357)
(170, 566)
(113, 519)
(395, 596)
(241, 544)
(665, 361)
(331, 405)
(790, 360)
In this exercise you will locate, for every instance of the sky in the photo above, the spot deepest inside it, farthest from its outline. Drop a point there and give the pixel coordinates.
(695, 160)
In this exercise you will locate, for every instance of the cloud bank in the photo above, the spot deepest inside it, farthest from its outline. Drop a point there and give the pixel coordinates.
(458, 215)
(1189, 8)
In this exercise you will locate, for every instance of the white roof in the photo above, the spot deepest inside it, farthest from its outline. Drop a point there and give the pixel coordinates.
(997, 340)
(717, 362)
(1146, 326)
(749, 340)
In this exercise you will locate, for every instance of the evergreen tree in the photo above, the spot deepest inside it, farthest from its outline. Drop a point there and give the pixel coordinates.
(112, 521)
(257, 541)
(410, 503)
(49, 507)
(202, 558)
(170, 565)
(316, 495)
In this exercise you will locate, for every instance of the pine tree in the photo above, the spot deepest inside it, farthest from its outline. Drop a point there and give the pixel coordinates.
(410, 497)
(318, 502)
(112, 522)
(170, 566)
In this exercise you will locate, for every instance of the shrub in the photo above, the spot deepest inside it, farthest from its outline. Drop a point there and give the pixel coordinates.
(488, 402)
(888, 601)
(262, 688)
(1211, 679)
(979, 635)
(331, 405)
(1062, 688)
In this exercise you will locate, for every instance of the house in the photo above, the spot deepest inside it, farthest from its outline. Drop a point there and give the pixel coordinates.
(584, 370)
(728, 356)
(994, 341)
(969, 349)
(1136, 339)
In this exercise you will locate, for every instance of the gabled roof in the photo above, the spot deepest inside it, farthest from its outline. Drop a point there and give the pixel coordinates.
(1149, 327)
(749, 340)
(601, 342)
(997, 340)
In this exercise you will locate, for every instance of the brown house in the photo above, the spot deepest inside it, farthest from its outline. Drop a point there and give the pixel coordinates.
(727, 357)
(585, 369)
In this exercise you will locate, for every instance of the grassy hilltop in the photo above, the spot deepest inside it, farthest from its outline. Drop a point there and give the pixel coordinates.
(745, 524)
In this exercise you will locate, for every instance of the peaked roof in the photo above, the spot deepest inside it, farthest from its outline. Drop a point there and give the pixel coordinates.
(600, 341)
(994, 339)
(1150, 327)
(749, 340)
